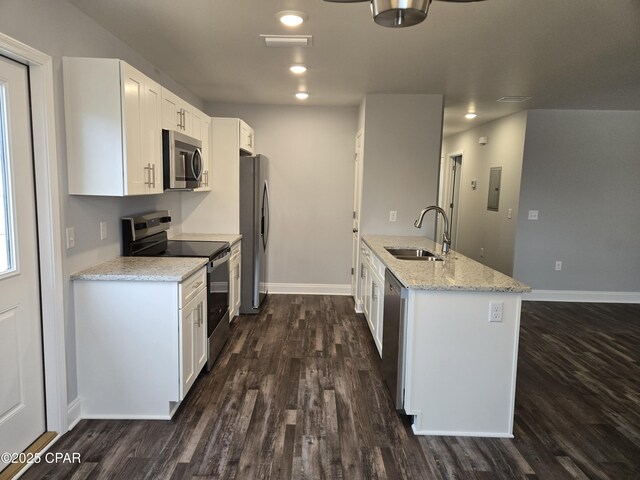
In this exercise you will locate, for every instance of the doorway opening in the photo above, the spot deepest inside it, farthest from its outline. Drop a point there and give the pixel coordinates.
(449, 201)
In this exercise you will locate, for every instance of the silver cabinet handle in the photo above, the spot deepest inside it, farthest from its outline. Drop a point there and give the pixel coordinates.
(374, 291)
(361, 271)
(153, 176)
(148, 175)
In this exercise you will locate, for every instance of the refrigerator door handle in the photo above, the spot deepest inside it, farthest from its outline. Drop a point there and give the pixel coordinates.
(265, 215)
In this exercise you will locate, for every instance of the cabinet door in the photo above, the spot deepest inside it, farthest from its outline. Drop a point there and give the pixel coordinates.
(192, 341)
(202, 124)
(200, 332)
(171, 111)
(152, 137)
(246, 138)
(133, 111)
(377, 307)
(366, 293)
(238, 283)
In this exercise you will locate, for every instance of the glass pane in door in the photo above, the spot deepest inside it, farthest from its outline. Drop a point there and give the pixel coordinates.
(7, 258)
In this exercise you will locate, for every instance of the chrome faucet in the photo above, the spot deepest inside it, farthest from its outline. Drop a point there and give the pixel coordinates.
(446, 240)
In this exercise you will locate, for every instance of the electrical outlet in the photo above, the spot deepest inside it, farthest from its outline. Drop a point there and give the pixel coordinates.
(103, 230)
(482, 253)
(533, 214)
(393, 215)
(558, 265)
(495, 311)
(71, 237)
(509, 213)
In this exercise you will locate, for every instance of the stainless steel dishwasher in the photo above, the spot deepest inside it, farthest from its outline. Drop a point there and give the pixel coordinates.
(393, 337)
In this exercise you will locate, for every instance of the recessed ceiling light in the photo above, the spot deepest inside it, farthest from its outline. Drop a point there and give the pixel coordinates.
(471, 116)
(302, 95)
(291, 18)
(298, 69)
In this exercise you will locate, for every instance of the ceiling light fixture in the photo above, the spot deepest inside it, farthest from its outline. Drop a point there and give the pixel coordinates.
(471, 115)
(298, 69)
(302, 95)
(399, 13)
(291, 18)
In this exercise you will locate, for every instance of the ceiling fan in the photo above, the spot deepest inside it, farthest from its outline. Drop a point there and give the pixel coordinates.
(399, 13)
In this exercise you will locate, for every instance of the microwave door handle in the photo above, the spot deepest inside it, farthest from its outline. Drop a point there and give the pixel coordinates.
(197, 158)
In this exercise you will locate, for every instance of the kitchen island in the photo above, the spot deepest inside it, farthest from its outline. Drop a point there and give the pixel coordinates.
(141, 335)
(459, 361)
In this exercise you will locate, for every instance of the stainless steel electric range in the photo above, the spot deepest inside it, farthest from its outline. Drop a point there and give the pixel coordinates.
(146, 236)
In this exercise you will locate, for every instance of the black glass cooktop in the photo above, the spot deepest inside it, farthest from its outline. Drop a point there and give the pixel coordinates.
(184, 248)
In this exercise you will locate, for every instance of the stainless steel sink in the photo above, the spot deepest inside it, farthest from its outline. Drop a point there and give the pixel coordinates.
(413, 254)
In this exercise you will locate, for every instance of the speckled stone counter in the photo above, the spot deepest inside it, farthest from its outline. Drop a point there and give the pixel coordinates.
(143, 269)
(456, 272)
(210, 237)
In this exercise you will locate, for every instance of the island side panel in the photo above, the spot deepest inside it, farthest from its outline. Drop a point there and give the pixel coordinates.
(127, 348)
(461, 368)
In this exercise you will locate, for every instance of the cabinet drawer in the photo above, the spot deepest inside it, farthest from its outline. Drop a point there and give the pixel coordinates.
(190, 287)
(377, 265)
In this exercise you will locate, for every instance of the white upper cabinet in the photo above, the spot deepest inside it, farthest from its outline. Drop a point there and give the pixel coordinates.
(113, 115)
(176, 113)
(246, 138)
(202, 131)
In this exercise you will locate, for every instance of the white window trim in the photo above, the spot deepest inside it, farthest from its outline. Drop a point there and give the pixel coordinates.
(49, 229)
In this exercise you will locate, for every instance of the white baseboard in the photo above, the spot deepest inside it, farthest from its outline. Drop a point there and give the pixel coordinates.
(455, 433)
(309, 288)
(581, 296)
(74, 413)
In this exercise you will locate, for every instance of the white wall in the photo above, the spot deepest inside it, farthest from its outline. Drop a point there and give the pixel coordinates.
(479, 228)
(402, 140)
(59, 29)
(582, 172)
(311, 175)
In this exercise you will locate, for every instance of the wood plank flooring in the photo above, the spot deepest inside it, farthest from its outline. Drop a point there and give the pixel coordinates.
(298, 393)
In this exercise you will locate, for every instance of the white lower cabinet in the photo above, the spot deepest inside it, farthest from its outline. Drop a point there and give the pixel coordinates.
(235, 269)
(193, 340)
(140, 345)
(372, 288)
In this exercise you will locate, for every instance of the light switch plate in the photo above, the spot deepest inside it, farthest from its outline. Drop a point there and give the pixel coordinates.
(71, 237)
(103, 230)
(393, 215)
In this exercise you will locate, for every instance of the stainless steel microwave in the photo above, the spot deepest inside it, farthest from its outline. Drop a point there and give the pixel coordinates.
(182, 159)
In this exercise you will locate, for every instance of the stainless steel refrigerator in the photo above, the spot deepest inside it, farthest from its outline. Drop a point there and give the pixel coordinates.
(254, 227)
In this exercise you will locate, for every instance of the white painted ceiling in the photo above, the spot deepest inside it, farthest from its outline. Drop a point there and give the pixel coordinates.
(568, 54)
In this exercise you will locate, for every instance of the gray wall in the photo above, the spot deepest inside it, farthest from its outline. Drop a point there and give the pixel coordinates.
(479, 228)
(59, 29)
(581, 171)
(311, 175)
(402, 139)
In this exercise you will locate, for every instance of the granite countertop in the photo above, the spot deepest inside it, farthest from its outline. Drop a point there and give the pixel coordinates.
(210, 237)
(456, 272)
(143, 269)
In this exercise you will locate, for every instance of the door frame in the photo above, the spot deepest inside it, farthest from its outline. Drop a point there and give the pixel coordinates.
(446, 190)
(45, 161)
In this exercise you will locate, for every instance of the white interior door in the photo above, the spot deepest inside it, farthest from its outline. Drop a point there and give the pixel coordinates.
(357, 197)
(22, 418)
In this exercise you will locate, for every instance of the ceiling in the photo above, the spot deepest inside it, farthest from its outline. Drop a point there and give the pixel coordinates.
(566, 54)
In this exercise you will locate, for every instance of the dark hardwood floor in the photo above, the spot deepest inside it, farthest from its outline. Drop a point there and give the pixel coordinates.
(298, 393)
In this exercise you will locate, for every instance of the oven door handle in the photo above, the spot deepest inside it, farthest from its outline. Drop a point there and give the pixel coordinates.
(216, 263)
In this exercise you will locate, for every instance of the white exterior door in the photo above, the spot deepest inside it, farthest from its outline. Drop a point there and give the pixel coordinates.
(22, 418)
